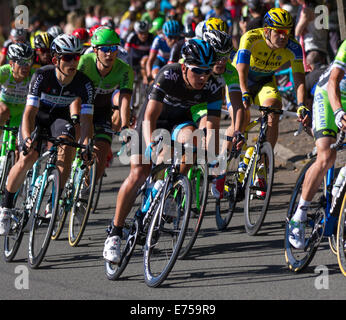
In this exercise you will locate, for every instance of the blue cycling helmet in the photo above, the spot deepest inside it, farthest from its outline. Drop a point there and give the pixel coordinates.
(171, 28)
(199, 53)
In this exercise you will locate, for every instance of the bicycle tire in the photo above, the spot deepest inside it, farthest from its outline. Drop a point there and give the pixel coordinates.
(254, 222)
(61, 216)
(13, 240)
(224, 214)
(96, 198)
(178, 189)
(77, 223)
(199, 203)
(50, 194)
(341, 235)
(296, 259)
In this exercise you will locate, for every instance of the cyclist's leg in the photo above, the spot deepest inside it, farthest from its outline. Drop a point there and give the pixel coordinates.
(269, 95)
(4, 113)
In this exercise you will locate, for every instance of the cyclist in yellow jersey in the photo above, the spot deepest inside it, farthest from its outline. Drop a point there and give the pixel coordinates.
(263, 51)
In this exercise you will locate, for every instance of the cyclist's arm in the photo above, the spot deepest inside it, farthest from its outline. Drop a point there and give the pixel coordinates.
(28, 121)
(299, 82)
(150, 62)
(334, 93)
(243, 71)
(124, 104)
(151, 115)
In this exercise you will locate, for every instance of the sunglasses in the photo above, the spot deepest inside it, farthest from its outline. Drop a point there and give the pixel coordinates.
(43, 50)
(199, 71)
(106, 49)
(281, 31)
(23, 63)
(70, 57)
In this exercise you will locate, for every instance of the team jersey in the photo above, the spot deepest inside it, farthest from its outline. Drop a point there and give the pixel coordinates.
(161, 47)
(120, 77)
(47, 94)
(263, 61)
(138, 48)
(11, 91)
(339, 62)
(170, 89)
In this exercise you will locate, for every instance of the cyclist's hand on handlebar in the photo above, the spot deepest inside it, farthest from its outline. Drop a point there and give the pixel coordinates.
(304, 115)
(340, 119)
(27, 145)
(87, 154)
(238, 139)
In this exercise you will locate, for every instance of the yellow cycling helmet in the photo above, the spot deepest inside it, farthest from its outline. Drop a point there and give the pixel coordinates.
(215, 24)
(278, 18)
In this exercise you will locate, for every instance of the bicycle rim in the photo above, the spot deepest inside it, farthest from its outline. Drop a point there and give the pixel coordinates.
(167, 230)
(298, 259)
(42, 224)
(341, 238)
(81, 209)
(199, 187)
(257, 197)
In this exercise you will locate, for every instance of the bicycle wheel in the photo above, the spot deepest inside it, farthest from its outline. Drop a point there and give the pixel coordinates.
(199, 184)
(341, 236)
(42, 223)
(224, 208)
(64, 206)
(96, 197)
(19, 220)
(298, 259)
(81, 208)
(257, 197)
(167, 230)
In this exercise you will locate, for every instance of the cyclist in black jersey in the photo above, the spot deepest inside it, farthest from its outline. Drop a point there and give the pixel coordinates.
(176, 89)
(138, 44)
(59, 99)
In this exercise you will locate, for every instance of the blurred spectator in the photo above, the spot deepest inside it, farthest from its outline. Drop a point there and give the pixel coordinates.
(252, 17)
(333, 31)
(219, 11)
(194, 17)
(89, 21)
(306, 32)
(126, 26)
(291, 6)
(72, 22)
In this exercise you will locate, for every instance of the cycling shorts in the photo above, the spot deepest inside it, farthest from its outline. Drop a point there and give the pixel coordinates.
(261, 92)
(323, 122)
(102, 120)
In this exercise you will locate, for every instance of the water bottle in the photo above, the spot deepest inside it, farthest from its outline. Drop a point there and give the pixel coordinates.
(158, 184)
(243, 164)
(2, 163)
(339, 180)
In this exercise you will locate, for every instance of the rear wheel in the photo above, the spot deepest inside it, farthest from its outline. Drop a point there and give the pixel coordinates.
(341, 237)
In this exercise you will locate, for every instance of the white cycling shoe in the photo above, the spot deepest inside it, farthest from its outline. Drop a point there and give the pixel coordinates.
(5, 221)
(296, 235)
(111, 251)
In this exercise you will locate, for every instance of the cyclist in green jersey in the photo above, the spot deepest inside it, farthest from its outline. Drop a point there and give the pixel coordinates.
(329, 116)
(228, 75)
(113, 81)
(14, 80)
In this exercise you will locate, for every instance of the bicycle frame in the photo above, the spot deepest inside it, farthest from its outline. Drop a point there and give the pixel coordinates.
(8, 142)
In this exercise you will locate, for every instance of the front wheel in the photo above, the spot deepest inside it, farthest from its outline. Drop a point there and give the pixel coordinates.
(82, 205)
(167, 230)
(45, 210)
(341, 237)
(258, 188)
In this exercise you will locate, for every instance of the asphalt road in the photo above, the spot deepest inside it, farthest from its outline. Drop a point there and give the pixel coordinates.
(228, 265)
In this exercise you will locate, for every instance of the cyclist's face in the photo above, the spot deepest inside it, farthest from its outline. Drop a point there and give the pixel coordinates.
(68, 63)
(171, 40)
(107, 58)
(22, 71)
(143, 36)
(194, 76)
(279, 38)
(44, 56)
(220, 65)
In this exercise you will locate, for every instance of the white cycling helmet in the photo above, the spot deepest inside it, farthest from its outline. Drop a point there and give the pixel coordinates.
(199, 30)
(64, 44)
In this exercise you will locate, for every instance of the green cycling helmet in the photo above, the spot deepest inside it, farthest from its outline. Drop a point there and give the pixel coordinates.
(104, 36)
(157, 24)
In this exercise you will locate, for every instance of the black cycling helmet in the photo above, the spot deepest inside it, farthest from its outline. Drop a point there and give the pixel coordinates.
(19, 51)
(198, 52)
(219, 40)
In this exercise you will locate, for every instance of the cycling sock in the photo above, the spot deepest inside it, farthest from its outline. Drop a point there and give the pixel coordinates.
(301, 212)
(116, 231)
(7, 200)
